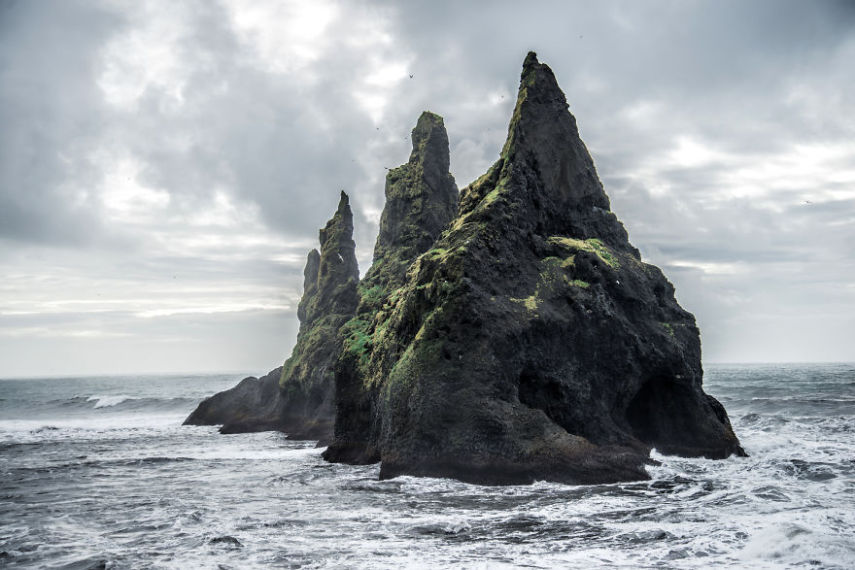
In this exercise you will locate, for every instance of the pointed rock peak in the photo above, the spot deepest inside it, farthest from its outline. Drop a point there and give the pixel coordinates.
(421, 200)
(530, 63)
(538, 81)
(430, 142)
(539, 102)
(427, 122)
(338, 271)
(344, 204)
(337, 246)
(543, 144)
(340, 226)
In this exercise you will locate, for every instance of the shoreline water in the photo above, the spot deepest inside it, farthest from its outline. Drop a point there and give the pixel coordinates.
(101, 470)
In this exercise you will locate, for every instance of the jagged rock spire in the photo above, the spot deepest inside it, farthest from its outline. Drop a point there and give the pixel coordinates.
(430, 149)
(530, 342)
(548, 166)
(338, 253)
(298, 397)
(421, 198)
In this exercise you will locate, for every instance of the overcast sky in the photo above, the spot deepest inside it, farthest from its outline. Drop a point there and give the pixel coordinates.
(165, 166)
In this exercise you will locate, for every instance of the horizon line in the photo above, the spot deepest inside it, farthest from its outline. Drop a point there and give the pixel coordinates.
(245, 374)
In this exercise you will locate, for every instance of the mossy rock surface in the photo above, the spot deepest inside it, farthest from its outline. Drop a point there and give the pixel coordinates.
(527, 342)
(506, 335)
(298, 398)
(421, 201)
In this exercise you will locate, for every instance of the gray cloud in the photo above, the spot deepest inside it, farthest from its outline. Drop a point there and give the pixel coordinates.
(49, 109)
(209, 140)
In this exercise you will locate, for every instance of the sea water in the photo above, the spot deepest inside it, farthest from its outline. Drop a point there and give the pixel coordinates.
(100, 473)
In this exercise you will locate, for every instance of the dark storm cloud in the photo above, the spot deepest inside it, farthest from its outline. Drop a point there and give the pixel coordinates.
(50, 110)
(284, 141)
(722, 132)
(287, 144)
(267, 137)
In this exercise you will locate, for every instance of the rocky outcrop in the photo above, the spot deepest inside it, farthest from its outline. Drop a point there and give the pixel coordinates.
(530, 342)
(251, 406)
(511, 335)
(329, 300)
(298, 397)
(421, 200)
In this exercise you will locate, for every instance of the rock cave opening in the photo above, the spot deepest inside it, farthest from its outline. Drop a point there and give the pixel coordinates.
(655, 412)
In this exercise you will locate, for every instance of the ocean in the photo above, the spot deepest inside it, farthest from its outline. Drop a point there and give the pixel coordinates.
(100, 473)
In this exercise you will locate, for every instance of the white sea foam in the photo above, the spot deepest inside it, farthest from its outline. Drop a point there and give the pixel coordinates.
(108, 401)
(158, 494)
(45, 429)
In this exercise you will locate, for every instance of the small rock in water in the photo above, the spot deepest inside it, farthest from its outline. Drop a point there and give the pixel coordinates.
(227, 541)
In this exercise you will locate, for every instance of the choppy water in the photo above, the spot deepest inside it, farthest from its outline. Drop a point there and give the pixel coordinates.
(99, 472)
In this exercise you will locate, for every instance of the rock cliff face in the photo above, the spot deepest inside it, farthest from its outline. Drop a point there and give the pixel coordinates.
(530, 341)
(298, 398)
(329, 300)
(507, 335)
(421, 200)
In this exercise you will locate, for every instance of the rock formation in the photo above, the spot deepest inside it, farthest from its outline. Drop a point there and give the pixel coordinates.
(251, 406)
(298, 398)
(530, 342)
(329, 300)
(511, 335)
(421, 200)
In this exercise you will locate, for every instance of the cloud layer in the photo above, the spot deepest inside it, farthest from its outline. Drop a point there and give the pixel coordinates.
(164, 167)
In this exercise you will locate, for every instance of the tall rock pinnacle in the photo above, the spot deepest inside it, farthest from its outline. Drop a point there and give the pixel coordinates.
(298, 398)
(307, 382)
(511, 336)
(530, 342)
(543, 139)
(421, 198)
(338, 272)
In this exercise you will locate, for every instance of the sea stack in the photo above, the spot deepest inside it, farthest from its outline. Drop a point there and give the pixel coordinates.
(298, 398)
(530, 342)
(421, 200)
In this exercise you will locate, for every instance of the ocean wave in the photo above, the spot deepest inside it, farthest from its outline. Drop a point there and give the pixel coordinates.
(123, 402)
(105, 464)
(805, 399)
(108, 401)
(92, 425)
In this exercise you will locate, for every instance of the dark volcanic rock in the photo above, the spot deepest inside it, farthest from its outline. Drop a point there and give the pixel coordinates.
(250, 406)
(298, 398)
(329, 300)
(530, 342)
(421, 200)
